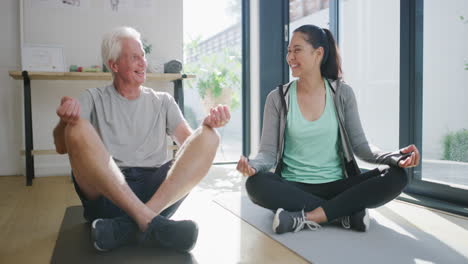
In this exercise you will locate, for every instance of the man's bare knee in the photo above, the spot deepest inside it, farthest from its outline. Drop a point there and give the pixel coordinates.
(76, 134)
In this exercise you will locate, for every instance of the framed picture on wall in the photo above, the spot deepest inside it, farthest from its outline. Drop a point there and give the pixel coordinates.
(46, 58)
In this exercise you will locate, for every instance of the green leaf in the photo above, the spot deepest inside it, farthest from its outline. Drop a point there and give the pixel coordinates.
(217, 72)
(456, 146)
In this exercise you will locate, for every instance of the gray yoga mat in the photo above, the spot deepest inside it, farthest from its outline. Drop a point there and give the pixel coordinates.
(74, 246)
(391, 238)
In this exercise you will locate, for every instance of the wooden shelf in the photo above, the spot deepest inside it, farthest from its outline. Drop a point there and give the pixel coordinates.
(36, 152)
(17, 75)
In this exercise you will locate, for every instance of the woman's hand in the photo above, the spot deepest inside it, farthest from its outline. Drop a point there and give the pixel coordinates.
(244, 167)
(412, 160)
(218, 116)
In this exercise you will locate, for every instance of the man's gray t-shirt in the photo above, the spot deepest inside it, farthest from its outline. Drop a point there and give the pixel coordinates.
(133, 131)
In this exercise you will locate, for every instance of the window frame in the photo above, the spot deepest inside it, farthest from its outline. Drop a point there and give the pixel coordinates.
(246, 135)
(411, 104)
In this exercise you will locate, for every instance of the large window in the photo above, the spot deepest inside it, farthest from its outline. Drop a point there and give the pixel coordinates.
(213, 51)
(445, 93)
(369, 45)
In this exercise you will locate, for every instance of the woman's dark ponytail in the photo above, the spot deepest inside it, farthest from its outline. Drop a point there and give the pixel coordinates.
(318, 37)
(332, 67)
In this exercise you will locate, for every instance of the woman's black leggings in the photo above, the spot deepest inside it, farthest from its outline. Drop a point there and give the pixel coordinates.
(339, 198)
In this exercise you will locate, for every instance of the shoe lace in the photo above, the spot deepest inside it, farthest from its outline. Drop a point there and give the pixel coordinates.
(346, 222)
(300, 221)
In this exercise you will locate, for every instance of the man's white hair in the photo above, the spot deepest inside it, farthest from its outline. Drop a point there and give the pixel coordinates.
(112, 43)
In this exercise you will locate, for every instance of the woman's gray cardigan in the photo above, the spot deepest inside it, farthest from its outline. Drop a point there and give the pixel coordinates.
(352, 137)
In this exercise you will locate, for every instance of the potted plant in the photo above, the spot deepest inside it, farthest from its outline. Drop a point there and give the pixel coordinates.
(218, 78)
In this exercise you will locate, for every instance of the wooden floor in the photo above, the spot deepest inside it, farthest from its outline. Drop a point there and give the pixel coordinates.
(30, 219)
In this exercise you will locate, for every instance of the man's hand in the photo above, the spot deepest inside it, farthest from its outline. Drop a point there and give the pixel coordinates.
(218, 116)
(69, 110)
(244, 167)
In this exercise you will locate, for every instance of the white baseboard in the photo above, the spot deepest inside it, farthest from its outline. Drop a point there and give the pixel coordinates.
(9, 172)
(40, 171)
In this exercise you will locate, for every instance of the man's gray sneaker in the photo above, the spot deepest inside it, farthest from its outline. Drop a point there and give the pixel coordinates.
(163, 232)
(285, 221)
(112, 233)
(358, 221)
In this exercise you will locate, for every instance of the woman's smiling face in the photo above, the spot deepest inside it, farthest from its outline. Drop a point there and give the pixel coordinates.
(302, 57)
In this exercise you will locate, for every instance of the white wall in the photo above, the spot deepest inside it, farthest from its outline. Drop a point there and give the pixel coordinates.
(10, 107)
(80, 32)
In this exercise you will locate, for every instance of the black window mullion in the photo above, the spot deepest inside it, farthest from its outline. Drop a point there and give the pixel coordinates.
(285, 10)
(411, 59)
(246, 77)
(334, 18)
(272, 47)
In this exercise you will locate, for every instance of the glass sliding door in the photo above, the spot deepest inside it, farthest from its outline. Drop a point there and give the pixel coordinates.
(213, 52)
(445, 93)
(370, 49)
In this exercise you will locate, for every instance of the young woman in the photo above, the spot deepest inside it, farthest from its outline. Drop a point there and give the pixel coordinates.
(311, 132)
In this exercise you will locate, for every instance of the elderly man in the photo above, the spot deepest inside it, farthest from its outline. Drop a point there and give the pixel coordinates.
(115, 138)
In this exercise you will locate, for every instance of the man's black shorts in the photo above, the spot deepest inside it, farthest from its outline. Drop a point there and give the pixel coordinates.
(144, 182)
